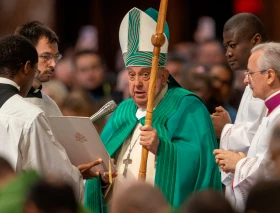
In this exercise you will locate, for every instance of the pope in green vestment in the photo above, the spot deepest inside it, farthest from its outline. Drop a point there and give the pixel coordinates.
(184, 153)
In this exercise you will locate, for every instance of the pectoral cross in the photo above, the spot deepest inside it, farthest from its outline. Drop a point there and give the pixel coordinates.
(127, 161)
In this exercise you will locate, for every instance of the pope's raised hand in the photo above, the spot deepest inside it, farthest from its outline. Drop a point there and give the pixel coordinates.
(149, 138)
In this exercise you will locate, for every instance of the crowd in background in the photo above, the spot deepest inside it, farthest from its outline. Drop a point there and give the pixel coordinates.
(83, 83)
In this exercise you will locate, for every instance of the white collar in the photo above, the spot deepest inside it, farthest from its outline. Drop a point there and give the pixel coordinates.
(8, 81)
(141, 112)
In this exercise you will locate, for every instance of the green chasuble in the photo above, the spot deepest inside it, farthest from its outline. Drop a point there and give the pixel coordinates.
(185, 160)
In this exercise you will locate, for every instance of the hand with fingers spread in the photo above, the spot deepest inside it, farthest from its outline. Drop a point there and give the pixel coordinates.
(105, 176)
(149, 138)
(227, 160)
(219, 119)
(85, 169)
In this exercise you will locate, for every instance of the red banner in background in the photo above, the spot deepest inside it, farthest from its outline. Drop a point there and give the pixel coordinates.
(250, 6)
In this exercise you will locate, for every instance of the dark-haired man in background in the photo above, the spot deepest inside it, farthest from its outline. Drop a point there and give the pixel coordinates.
(46, 44)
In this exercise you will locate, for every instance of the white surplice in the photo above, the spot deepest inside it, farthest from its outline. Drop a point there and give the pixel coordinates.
(238, 136)
(27, 142)
(255, 166)
(47, 104)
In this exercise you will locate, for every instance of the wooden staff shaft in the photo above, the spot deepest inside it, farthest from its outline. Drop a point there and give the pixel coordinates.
(149, 115)
(158, 40)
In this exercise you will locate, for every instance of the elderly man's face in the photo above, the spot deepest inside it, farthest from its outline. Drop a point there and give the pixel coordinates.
(139, 79)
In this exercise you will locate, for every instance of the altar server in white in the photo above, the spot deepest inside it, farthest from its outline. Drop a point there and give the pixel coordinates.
(240, 34)
(26, 140)
(263, 77)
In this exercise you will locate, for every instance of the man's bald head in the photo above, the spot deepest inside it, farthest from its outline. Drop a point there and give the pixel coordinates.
(140, 198)
(207, 201)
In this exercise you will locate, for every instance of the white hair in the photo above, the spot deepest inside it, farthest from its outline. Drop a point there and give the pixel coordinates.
(270, 59)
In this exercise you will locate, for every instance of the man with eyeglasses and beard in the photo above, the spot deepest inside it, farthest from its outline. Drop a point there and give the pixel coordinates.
(46, 44)
(246, 169)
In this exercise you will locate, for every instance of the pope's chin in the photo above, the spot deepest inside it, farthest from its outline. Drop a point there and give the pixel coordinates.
(140, 102)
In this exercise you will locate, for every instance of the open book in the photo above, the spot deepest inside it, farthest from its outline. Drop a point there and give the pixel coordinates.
(81, 141)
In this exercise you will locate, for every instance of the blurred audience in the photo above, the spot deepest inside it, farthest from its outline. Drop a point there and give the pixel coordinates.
(119, 64)
(264, 197)
(208, 201)
(87, 39)
(187, 50)
(79, 103)
(174, 65)
(206, 29)
(90, 75)
(238, 89)
(211, 53)
(64, 72)
(140, 198)
(200, 84)
(90, 72)
(195, 78)
(50, 197)
(122, 84)
(56, 90)
(222, 80)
